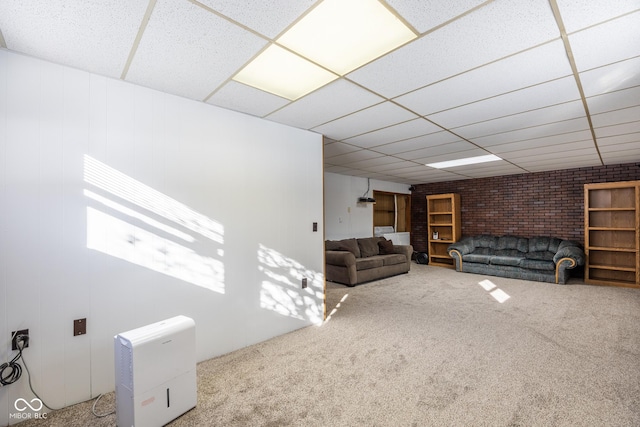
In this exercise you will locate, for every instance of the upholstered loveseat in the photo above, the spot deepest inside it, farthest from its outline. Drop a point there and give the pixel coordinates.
(354, 261)
(544, 259)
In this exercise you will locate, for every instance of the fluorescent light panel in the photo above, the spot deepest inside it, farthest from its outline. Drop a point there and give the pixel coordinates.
(283, 73)
(463, 162)
(343, 35)
(337, 35)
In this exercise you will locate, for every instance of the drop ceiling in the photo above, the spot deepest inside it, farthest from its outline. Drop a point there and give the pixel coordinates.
(543, 84)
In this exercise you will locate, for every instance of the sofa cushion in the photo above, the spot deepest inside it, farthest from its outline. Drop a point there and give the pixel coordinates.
(485, 241)
(343, 245)
(477, 258)
(537, 244)
(385, 246)
(540, 255)
(512, 242)
(368, 246)
(507, 259)
(393, 259)
(369, 262)
(535, 264)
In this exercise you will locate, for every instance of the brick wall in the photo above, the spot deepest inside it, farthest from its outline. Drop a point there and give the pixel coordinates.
(527, 205)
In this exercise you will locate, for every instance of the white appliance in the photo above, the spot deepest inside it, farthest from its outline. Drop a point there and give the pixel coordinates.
(155, 369)
(388, 232)
(400, 238)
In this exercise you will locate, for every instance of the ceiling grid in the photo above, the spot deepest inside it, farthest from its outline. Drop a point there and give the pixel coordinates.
(542, 84)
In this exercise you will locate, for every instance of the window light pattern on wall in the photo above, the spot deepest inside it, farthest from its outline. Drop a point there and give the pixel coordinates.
(339, 36)
(131, 221)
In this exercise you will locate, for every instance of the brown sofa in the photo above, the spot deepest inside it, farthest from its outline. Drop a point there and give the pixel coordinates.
(354, 261)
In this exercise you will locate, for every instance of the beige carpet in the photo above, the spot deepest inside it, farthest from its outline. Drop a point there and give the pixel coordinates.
(431, 348)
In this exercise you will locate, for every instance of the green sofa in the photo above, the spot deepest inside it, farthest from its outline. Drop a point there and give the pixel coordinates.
(544, 259)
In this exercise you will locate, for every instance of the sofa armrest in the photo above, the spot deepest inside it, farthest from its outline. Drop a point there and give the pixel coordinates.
(569, 255)
(341, 258)
(464, 246)
(572, 251)
(406, 250)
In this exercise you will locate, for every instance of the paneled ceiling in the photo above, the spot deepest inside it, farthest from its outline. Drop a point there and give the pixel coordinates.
(543, 84)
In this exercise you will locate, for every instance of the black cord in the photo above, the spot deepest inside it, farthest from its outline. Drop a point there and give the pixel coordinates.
(15, 370)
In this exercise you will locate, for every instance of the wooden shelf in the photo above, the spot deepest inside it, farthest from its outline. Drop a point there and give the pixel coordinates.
(600, 248)
(611, 233)
(611, 209)
(443, 217)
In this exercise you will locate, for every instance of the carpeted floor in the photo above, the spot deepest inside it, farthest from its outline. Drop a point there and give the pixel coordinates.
(431, 348)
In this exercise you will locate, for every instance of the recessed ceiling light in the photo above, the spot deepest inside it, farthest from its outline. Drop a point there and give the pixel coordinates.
(462, 162)
(343, 35)
(278, 71)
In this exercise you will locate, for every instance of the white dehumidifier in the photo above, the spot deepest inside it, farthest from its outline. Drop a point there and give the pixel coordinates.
(155, 369)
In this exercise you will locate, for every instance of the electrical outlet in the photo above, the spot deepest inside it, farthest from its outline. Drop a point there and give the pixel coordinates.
(304, 282)
(80, 327)
(14, 338)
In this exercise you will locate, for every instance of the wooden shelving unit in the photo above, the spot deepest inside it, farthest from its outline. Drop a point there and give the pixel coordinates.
(611, 230)
(443, 217)
(392, 209)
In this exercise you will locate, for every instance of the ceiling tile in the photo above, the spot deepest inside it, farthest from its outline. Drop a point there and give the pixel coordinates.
(579, 14)
(612, 77)
(443, 152)
(611, 118)
(607, 43)
(426, 14)
(518, 153)
(426, 174)
(534, 132)
(529, 119)
(544, 63)
(490, 33)
(189, 51)
(577, 160)
(239, 97)
(398, 166)
(338, 149)
(355, 156)
(394, 133)
(614, 100)
(495, 169)
(417, 143)
(624, 153)
(619, 139)
(91, 35)
(372, 118)
(331, 102)
(615, 130)
(375, 162)
(268, 18)
(577, 153)
(531, 98)
(629, 147)
(563, 138)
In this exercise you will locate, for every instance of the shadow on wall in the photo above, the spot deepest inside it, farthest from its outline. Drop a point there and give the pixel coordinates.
(133, 222)
(282, 291)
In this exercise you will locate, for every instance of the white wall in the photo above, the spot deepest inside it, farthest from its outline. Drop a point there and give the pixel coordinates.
(128, 206)
(344, 216)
